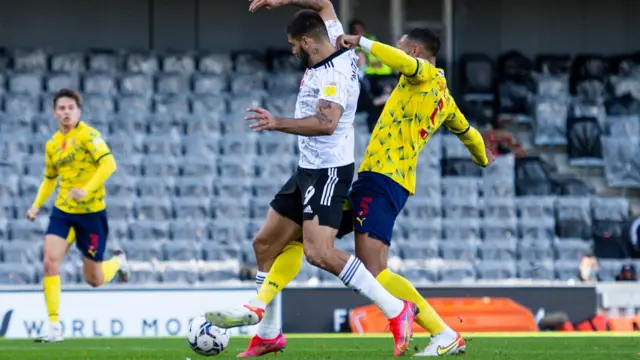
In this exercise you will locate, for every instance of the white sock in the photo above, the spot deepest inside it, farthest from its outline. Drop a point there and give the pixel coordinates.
(357, 277)
(268, 328)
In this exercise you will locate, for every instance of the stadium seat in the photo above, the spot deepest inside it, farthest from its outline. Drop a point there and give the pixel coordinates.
(553, 86)
(453, 147)
(551, 122)
(535, 250)
(420, 271)
(118, 229)
(534, 207)
(120, 184)
(567, 269)
(499, 208)
(610, 208)
(466, 250)
(573, 217)
(197, 208)
(623, 126)
(182, 250)
(29, 84)
(454, 230)
(499, 228)
(134, 105)
(180, 273)
(493, 270)
(21, 252)
(461, 208)
(219, 271)
(228, 231)
(153, 209)
(584, 142)
(477, 73)
(189, 229)
(419, 249)
(572, 249)
(542, 228)
(29, 186)
(21, 105)
(214, 251)
(160, 166)
(259, 208)
(57, 81)
(422, 207)
(144, 273)
(498, 249)
(149, 230)
(460, 187)
(155, 187)
(407, 228)
(458, 271)
(35, 60)
(622, 166)
(144, 250)
(538, 270)
(24, 230)
(165, 124)
(17, 274)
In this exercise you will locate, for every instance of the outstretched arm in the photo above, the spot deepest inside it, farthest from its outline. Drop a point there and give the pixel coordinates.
(323, 7)
(470, 137)
(412, 68)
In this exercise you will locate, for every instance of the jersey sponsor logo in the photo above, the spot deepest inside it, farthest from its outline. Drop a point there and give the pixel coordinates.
(361, 220)
(330, 90)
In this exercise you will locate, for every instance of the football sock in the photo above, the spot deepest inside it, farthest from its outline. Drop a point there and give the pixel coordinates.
(52, 297)
(268, 328)
(356, 276)
(284, 269)
(401, 288)
(110, 269)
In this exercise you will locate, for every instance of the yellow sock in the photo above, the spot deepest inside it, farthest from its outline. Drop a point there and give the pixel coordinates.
(52, 296)
(401, 288)
(284, 269)
(110, 269)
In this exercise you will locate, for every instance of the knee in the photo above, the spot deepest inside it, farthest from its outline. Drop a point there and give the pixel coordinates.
(260, 245)
(316, 256)
(50, 264)
(94, 280)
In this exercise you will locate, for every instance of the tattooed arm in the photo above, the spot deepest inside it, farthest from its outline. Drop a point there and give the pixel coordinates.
(323, 7)
(322, 123)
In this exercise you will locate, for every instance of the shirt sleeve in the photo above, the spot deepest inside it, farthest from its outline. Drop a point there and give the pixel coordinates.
(335, 88)
(50, 170)
(335, 29)
(95, 145)
(456, 122)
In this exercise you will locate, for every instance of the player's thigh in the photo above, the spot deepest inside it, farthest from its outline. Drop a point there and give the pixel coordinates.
(57, 236)
(92, 231)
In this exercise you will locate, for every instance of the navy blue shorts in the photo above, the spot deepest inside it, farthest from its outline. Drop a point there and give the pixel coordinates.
(376, 200)
(91, 231)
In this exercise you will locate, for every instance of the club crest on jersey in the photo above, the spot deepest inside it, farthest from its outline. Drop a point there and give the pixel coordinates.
(330, 90)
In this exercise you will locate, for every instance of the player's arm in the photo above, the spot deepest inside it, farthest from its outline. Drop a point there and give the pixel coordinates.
(48, 184)
(101, 154)
(323, 7)
(322, 123)
(412, 68)
(471, 138)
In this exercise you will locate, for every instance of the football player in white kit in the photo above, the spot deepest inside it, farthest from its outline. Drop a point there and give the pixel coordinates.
(309, 207)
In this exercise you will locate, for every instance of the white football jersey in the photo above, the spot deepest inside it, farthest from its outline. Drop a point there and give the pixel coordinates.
(334, 79)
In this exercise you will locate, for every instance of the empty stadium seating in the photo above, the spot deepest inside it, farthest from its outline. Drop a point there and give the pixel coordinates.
(194, 182)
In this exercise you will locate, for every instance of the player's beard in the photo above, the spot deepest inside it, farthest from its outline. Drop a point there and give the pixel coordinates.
(304, 58)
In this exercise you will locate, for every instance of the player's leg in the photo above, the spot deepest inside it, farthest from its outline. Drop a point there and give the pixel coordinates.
(58, 238)
(322, 222)
(92, 231)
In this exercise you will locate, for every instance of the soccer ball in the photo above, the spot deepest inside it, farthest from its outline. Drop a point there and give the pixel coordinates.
(206, 339)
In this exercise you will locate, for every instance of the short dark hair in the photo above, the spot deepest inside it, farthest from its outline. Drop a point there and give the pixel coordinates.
(307, 23)
(68, 93)
(427, 38)
(354, 23)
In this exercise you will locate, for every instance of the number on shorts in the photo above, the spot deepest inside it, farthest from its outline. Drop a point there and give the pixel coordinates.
(308, 194)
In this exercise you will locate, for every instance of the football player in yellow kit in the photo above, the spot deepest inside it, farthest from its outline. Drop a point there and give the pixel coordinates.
(77, 159)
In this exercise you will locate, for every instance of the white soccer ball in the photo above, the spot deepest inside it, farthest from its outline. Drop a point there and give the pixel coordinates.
(206, 339)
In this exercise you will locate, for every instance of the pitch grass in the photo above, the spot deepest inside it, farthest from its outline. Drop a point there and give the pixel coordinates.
(540, 346)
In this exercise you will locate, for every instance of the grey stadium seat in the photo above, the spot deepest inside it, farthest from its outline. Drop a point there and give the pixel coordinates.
(420, 229)
(205, 124)
(165, 124)
(567, 269)
(622, 166)
(142, 63)
(132, 105)
(282, 105)
(235, 167)
(24, 230)
(189, 229)
(459, 187)
(231, 208)
(14, 124)
(418, 207)
(22, 252)
(214, 251)
(172, 84)
(572, 249)
(499, 228)
(125, 145)
(244, 83)
(419, 249)
(270, 144)
(217, 271)
(153, 209)
(498, 249)
(623, 126)
(182, 250)
(233, 188)
(535, 250)
(199, 166)
(453, 147)
(496, 270)
(25, 84)
(30, 60)
(68, 62)
(57, 81)
(421, 271)
(499, 208)
(33, 166)
(197, 208)
(239, 145)
(210, 84)
(180, 273)
(210, 105)
(200, 145)
(455, 230)
(458, 271)
(217, 64)
(461, 208)
(144, 250)
(120, 208)
(149, 230)
(29, 186)
(127, 125)
(535, 207)
(459, 250)
(194, 186)
(541, 228)
(284, 82)
(100, 83)
(159, 166)
(4, 231)
(167, 145)
(118, 229)
(228, 231)
(155, 187)
(17, 274)
(610, 208)
(24, 105)
(120, 184)
(551, 122)
(498, 187)
(98, 106)
(183, 64)
(10, 186)
(138, 84)
(539, 270)
(270, 167)
(144, 273)
(238, 105)
(177, 105)
(573, 217)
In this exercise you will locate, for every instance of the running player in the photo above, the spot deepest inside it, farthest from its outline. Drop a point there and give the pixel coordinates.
(79, 158)
(309, 206)
(419, 105)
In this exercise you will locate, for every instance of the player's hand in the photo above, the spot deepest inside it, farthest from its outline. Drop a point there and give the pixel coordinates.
(267, 4)
(76, 194)
(490, 158)
(348, 41)
(264, 119)
(32, 213)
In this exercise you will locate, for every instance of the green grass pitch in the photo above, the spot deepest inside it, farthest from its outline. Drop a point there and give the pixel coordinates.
(539, 346)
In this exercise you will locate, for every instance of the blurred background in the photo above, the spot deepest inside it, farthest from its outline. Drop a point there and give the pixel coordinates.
(553, 85)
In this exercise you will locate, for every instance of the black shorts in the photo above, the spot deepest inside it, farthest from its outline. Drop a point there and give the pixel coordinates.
(315, 192)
